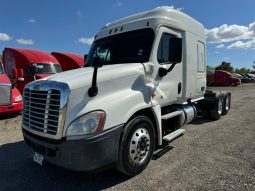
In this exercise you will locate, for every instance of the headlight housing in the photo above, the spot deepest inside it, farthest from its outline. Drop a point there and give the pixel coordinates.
(86, 124)
(18, 98)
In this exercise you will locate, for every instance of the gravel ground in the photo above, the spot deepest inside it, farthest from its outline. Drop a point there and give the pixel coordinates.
(211, 155)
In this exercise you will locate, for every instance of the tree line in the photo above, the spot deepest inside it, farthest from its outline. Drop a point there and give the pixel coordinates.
(227, 67)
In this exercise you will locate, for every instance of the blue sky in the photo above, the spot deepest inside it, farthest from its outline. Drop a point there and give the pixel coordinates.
(54, 25)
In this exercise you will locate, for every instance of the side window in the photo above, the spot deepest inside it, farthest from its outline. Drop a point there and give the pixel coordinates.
(104, 54)
(163, 48)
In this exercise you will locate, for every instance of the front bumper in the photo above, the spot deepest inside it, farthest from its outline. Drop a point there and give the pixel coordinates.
(12, 108)
(87, 154)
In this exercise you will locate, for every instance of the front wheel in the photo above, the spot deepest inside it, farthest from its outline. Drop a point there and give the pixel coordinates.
(232, 84)
(137, 146)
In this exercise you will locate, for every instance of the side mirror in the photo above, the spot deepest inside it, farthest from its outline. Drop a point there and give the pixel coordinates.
(175, 50)
(97, 62)
(32, 69)
(15, 73)
(21, 75)
(85, 58)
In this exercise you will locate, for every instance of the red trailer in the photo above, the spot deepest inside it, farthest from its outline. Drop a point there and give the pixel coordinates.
(69, 61)
(10, 97)
(26, 65)
(221, 78)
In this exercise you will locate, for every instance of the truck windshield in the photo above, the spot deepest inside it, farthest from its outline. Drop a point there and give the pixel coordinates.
(46, 68)
(128, 47)
(1, 68)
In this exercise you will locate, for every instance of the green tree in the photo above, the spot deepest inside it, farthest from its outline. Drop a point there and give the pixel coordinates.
(210, 67)
(225, 66)
(242, 70)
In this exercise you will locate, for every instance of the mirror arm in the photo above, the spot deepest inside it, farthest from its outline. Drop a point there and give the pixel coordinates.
(163, 71)
(93, 90)
(171, 67)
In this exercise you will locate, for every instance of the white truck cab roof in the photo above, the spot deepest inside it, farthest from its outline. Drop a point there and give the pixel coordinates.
(152, 19)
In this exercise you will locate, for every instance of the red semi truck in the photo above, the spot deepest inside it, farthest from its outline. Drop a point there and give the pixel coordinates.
(26, 65)
(10, 98)
(221, 78)
(69, 61)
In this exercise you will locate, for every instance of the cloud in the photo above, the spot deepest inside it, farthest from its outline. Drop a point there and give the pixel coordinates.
(228, 33)
(241, 44)
(172, 7)
(220, 46)
(31, 21)
(5, 37)
(252, 27)
(87, 41)
(25, 41)
(117, 4)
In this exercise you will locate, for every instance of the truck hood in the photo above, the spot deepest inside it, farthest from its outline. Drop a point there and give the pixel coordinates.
(116, 84)
(82, 77)
(4, 79)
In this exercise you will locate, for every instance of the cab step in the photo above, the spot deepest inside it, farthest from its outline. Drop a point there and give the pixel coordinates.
(173, 135)
(171, 115)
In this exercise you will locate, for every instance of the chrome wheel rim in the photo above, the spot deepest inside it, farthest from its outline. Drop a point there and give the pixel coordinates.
(139, 145)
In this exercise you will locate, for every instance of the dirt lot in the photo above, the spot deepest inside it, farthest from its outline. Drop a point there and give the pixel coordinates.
(211, 155)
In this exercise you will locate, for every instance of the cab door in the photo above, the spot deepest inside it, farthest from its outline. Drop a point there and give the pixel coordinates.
(167, 47)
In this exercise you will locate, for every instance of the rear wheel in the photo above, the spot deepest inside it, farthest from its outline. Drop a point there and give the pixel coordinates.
(216, 111)
(137, 146)
(226, 102)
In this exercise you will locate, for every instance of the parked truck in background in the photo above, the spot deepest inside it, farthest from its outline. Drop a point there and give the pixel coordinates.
(221, 78)
(145, 77)
(10, 97)
(69, 61)
(26, 65)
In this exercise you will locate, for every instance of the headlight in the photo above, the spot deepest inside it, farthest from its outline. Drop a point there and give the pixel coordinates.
(18, 98)
(89, 123)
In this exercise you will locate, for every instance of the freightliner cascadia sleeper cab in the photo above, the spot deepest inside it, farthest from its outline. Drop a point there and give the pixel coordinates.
(26, 65)
(145, 77)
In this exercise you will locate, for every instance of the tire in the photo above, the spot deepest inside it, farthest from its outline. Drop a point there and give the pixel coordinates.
(216, 111)
(232, 84)
(226, 102)
(136, 146)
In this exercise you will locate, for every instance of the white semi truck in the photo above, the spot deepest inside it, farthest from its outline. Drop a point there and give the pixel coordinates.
(145, 77)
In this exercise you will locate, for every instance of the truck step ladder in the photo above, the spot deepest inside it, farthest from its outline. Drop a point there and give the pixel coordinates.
(170, 115)
(173, 135)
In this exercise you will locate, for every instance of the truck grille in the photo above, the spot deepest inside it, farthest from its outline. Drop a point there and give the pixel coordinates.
(41, 110)
(5, 94)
